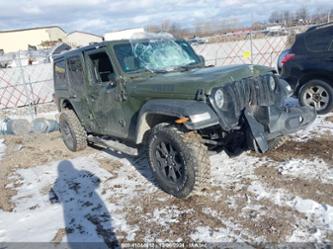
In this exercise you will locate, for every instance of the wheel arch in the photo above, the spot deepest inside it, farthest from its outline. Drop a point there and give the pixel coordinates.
(148, 120)
(154, 112)
(312, 76)
(67, 104)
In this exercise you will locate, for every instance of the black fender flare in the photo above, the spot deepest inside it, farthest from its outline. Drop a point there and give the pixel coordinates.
(200, 113)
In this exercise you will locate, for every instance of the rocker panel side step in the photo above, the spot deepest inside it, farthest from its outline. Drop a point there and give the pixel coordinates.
(115, 145)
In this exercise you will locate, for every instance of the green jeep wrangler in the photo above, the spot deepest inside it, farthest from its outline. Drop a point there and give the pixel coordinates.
(157, 94)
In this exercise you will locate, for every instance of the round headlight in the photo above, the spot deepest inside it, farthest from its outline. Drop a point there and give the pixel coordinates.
(272, 83)
(219, 98)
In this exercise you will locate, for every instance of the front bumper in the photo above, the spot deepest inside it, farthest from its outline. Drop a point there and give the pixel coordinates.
(267, 123)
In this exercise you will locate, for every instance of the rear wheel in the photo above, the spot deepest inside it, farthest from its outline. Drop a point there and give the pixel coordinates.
(318, 94)
(179, 160)
(73, 133)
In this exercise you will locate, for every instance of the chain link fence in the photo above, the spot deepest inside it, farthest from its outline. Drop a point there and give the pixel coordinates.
(25, 80)
(258, 47)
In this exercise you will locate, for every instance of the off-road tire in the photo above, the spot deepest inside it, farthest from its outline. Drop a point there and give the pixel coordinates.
(277, 142)
(76, 139)
(194, 154)
(319, 83)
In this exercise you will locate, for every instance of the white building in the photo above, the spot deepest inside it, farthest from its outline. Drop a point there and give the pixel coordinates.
(15, 40)
(78, 38)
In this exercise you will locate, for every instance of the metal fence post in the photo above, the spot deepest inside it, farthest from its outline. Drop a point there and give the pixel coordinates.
(251, 46)
(25, 84)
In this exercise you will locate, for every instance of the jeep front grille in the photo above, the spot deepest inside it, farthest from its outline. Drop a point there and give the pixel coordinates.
(253, 91)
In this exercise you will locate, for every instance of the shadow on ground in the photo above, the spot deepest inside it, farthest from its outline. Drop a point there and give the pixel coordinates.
(85, 213)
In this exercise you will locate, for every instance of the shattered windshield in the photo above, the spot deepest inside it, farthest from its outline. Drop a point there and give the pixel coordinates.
(157, 54)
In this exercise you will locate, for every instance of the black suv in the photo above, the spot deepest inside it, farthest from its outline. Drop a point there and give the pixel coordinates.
(308, 67)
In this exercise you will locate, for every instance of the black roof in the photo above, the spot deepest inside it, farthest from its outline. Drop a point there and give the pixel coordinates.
(325, 25)
(80, 50)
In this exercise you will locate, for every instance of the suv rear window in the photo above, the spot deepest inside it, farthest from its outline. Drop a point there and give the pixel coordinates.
(60, 75)
(75, 72)
(319, 40)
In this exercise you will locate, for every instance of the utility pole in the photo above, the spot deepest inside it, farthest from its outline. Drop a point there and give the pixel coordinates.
(329, 16)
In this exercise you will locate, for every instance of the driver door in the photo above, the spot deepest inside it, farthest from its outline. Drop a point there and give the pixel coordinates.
(105, 107)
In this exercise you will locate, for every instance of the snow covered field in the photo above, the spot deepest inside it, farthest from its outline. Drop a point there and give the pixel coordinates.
(101, 196)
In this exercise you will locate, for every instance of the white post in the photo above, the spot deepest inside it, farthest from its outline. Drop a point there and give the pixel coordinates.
(329, 16)
(31, 109)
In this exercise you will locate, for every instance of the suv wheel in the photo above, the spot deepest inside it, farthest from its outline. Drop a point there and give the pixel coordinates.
(318, 94)
(73, 134)
(179, 160)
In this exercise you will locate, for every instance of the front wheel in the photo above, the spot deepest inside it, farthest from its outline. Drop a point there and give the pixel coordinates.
(179, 160)
(318, 94)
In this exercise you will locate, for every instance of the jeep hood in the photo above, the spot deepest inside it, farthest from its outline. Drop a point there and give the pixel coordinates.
(186, 84)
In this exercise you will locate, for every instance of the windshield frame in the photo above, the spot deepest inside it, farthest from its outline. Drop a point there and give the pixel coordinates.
(198, 60)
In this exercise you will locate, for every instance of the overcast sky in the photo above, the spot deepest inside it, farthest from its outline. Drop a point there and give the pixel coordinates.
(100, 16)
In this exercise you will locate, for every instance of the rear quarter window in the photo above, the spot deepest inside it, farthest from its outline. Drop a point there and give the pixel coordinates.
(319, 40)
(60, 75)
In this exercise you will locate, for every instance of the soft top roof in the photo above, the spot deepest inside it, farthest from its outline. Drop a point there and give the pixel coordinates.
(321, 26)
(81, 49)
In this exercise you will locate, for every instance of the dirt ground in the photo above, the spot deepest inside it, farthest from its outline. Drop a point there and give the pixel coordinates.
(274, 197)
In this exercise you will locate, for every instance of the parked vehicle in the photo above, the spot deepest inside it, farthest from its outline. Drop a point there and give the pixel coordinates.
(281, 57)
(308, 67)
(157, 95)
(195, 40)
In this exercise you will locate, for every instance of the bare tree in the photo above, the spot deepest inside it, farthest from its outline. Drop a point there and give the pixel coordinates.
(287, 18)
(274, 17)
(302, 15)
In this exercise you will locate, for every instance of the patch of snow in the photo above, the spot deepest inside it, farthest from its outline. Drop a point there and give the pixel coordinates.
(234, 232)
(168, 215)
(31, 225)
(319, 127)
(227, 171)
(318, 216)
(306, 169)
(76, 195)
(209, 235)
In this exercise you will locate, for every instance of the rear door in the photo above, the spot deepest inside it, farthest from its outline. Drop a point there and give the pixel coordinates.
(318, 43)
(78, 98)
(319, 47)
(104, 102)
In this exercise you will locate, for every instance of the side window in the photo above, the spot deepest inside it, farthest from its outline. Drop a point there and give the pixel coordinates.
(319, 40)
(60, 75)
(75, 71)
(102, 70)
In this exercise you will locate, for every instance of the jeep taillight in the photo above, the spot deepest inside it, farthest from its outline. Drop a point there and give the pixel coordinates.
(287, 57)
